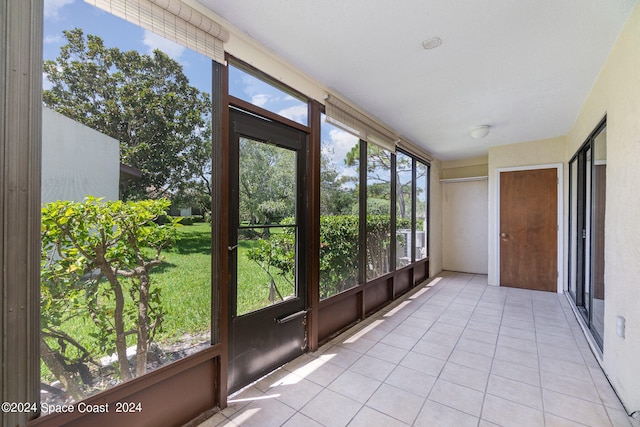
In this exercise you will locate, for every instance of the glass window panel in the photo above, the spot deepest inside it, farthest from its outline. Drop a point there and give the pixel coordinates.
(599, 201)
(267, 231)
(154, 118)
(260, 283)
(267, 187)
(422, 201)
(576, 232)
(339, 210)
(378, 211)
(404, 210)
(264, 95)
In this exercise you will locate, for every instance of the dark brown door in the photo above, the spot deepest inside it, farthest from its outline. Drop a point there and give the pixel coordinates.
(267, 296)
(528, 229)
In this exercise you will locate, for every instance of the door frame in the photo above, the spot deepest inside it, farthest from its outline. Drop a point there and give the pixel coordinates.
(560, 216)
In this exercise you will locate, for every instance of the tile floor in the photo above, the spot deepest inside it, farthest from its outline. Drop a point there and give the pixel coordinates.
(453, 353)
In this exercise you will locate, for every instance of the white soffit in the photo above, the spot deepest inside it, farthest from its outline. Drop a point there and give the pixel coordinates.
(524, 68)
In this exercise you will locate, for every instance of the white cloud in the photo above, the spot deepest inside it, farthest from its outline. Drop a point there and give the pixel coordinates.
(154, 41)
(297, 113)
(52, 7)
(260, 99)
(46, 84)
(52, 39)
(342, 142)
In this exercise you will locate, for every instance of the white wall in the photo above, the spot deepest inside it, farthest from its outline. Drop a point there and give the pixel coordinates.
(465, 226)
(77, 161)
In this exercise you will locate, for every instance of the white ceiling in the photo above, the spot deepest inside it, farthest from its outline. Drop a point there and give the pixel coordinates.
(524, 67)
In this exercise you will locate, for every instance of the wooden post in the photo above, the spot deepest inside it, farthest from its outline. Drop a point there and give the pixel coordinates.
(20, 157)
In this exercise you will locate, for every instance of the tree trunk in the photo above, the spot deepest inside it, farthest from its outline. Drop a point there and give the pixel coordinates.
(66, 378)
(143, 325)
(121, 338)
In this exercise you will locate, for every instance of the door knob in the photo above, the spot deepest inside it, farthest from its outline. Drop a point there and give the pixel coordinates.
(503, 235)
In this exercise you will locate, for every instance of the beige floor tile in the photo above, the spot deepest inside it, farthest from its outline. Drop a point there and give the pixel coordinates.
(439, 351)
(400, 341)
(582, 388)
(425, 364)
(582, 411)
(318, 371)
(263, 413)
(368, 417)
(516, 371)
(410, 380)
(480, 335)
(564, 367)
(458, 397)
(445, 328)
(555, 421)
(360, 345)
(387, 352)
(434, 414)
(472, 360)
(373, 368)
(510, 354)
(440, 338)
(619, 418)
(465, 376)
(355, 386)
(300, 420)
(331, 409)
(340, 356)
(518, 344)
(477, 347)
(507, 413)
(515, 391)
(396, 403)
(518, 333)
(557, 352)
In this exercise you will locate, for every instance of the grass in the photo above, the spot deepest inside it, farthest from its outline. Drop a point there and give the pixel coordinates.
(184, 279)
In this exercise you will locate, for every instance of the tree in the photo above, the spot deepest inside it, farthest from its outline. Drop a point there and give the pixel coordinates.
(143, 101)
(94, 254)
(267, 182)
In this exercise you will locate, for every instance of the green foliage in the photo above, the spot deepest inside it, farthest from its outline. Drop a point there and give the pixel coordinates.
(338, 250)
(96, 258)
(338, 253)
(143, 101)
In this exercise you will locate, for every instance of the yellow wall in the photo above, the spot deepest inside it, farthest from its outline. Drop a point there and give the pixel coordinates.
(616, 93)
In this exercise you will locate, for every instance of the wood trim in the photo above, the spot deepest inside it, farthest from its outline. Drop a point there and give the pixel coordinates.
(220, 223)
(313, 225)
(247, 106)
(20, 157)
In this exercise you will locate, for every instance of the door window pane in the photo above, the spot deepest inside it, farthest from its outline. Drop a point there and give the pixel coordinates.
(264, 95)
(267, 232)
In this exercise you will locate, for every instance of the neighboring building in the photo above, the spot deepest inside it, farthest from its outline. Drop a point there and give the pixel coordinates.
(77, 161)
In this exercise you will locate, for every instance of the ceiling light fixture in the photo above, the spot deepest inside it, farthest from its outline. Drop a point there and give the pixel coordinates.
(432, 43)
(480, 131)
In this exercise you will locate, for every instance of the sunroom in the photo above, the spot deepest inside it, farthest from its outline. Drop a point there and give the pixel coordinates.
(410, 208)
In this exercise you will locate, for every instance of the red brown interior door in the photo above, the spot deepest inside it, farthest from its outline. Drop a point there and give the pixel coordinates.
(528, 229)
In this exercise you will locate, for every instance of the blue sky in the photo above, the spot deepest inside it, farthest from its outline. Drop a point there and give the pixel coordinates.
(62, 15)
